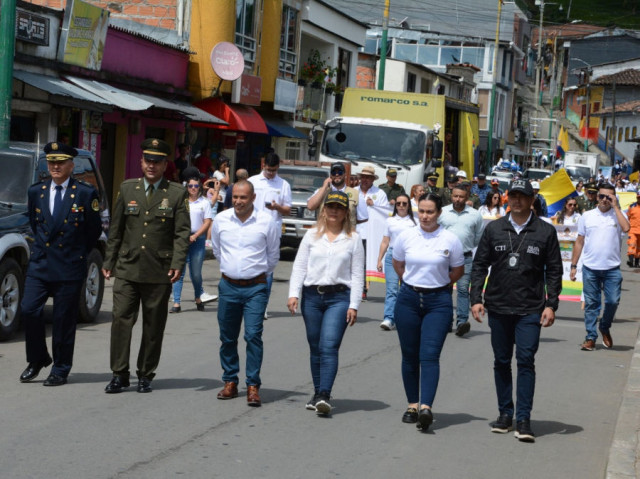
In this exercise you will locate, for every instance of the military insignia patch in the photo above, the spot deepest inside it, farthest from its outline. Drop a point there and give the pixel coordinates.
(95, 206)
(165, 204)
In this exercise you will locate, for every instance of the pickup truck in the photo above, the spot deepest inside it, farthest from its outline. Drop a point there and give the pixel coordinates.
(21, 165)
(304, 180)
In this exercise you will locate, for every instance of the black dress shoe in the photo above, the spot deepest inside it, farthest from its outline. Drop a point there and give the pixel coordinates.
(425, 418)
(144, 385)
(32, 371)
(54, 380)
(410, 416)
(117, 385)
(175, 309)
(200, 306)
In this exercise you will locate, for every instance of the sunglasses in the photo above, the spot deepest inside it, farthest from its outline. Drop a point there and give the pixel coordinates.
(572, 204)
(337, 173)
(401, 203)
(602, 197)
(193, 186)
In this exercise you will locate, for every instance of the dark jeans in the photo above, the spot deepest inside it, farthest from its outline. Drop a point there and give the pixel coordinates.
(236, 303)
(524, 332)
(422, 321)
(65, 296)
(325, 318)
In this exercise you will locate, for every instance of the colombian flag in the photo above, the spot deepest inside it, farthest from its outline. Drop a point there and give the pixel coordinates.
(556, 189)
(563, 143)
(592, 131)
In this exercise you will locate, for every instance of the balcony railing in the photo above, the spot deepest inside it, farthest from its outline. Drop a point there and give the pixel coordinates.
(247, 46)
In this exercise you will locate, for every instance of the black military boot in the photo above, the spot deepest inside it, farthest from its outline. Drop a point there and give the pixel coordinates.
(637, 263)
(630, 261)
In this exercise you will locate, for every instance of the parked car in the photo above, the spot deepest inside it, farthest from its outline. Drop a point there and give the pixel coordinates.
(536, 174)
(22, 164)
(304, 180)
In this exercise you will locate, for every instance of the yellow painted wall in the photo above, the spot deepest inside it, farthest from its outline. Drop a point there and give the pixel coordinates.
(270, 51)
(211, 23)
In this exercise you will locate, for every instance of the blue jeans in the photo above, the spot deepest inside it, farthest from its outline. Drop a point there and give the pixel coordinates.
(462, 287)
(422, 321)
(195, 259)
(325, 319)
(594, 283)
(234, 303)
(524, 332)
(391, 280)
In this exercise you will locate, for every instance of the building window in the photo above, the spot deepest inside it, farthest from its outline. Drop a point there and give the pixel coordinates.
(293, 150)
(411, 82)
(626, 134)
(634, 132)
(245, 31)
(288, 43)
(604, 123)
(620, 135)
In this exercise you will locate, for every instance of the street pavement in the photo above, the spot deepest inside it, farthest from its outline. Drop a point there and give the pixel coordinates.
(585, 414)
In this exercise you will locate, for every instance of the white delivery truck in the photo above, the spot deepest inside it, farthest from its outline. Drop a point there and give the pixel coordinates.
(581, 165)
(400, 130)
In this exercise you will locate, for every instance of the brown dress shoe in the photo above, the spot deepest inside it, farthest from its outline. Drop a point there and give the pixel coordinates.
(606, 338)
(229, 391)
(253, 398)
(588, 345)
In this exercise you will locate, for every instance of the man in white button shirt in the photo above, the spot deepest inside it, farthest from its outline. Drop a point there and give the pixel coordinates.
(369, 195)
(273, 195)
(599, 232)
(247, 244)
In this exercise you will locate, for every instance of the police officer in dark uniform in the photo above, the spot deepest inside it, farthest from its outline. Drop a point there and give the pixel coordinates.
(432, 180)
(65, 220)
(589, 200)
(146, 251)
(391, 188)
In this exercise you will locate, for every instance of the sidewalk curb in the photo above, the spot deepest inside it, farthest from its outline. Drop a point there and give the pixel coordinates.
(625, 447)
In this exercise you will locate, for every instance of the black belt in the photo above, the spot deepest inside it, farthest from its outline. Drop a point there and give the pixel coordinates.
(429, 290)
(468, 253)
(260, 279)
(329, 288)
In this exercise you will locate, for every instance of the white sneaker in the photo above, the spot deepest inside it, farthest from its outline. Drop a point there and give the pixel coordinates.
(206, 297)
(208, 244)
(266, 314)
(387, 325)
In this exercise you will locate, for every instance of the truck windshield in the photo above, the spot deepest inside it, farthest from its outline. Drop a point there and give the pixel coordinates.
(307, 180)
(375, 143)
(578, 172)
(16, 176)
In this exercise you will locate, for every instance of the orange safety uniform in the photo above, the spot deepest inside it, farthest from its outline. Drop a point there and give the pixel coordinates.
(634, 233)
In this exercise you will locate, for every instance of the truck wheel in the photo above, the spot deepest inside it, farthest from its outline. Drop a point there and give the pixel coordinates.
(91, 294)
(11, 290)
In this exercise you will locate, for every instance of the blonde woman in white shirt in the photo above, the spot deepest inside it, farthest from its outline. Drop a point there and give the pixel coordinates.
(327, 277)
(401, 219)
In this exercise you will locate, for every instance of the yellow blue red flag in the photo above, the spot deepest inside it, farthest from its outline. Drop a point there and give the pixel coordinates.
(556, 189)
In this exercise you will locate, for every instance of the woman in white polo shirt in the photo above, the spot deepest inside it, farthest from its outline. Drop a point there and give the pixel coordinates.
(401, 219)
(429, 259)
(201, 217)
(329, 269)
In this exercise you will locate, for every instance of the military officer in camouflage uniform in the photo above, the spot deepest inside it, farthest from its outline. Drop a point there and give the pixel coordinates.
(589, 200)
(391, 188)
(432, 180)
(452, 181)
(146, 251)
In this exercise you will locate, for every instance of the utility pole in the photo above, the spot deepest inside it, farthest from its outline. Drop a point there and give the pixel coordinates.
(539, 59)
(613, 125)
(383, 46)
(588, 78)
(7, 47)
(492, 99)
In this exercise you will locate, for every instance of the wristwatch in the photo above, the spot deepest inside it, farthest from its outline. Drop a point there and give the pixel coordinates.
(574, 266)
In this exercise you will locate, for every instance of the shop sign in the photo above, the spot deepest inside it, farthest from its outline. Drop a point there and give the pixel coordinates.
(286, 95)
(32, 28)
(227, 61)
(246, 90)
(83, 35)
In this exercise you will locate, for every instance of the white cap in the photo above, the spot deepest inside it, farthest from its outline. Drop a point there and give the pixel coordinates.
(535, 185)
(462, 174)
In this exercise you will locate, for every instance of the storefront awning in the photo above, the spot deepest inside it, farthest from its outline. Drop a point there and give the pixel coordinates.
(281, 128)
(63, 93)
(239, 117)
(140, 102)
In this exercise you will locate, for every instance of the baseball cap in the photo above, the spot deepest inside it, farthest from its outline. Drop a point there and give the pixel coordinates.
(337, 168)
(482, 176)
(522, 186)
(338, 198)
(392, 172)
(495, 181)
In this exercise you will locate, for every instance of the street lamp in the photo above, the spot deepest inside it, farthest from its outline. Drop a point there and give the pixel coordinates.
(539, 65)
